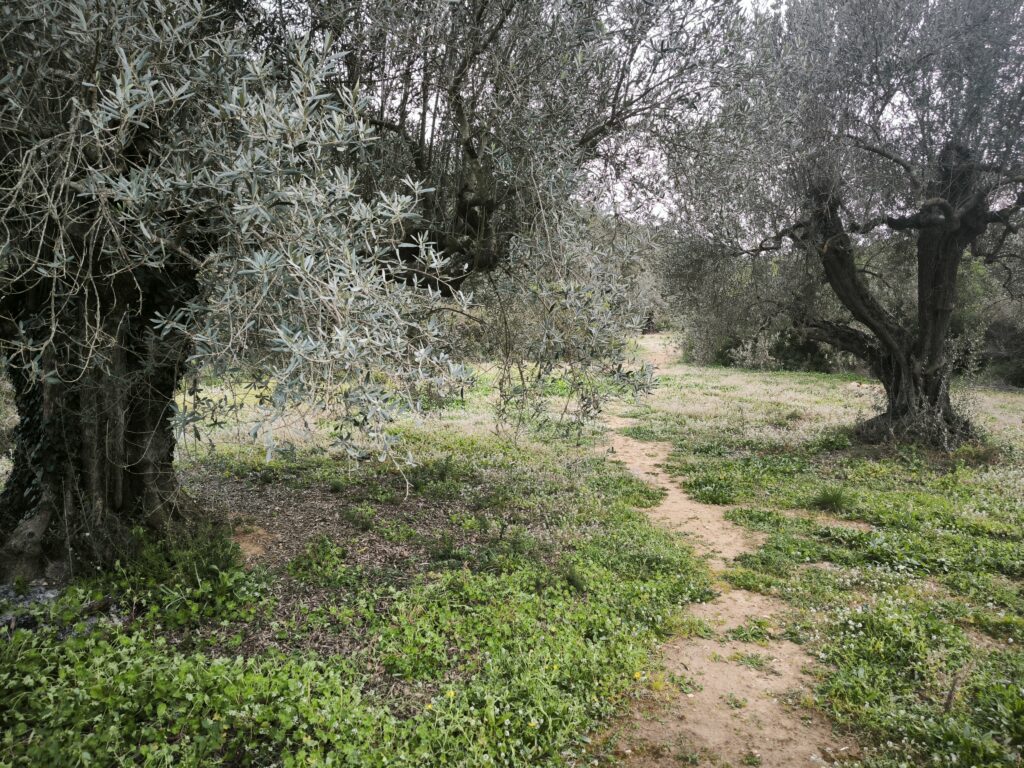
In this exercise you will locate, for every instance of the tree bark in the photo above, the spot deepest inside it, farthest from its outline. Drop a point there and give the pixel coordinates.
(918, 404)
(94, 447)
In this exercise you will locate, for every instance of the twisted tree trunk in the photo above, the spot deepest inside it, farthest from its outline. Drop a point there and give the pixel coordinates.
(910, 362)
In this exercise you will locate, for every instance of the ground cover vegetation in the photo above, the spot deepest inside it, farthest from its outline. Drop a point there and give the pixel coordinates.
(489, 607)
(902, 566)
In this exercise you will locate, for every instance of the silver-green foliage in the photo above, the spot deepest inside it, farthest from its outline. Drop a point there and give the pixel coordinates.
(145, 138)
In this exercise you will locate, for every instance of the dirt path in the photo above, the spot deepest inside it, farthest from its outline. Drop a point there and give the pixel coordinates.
(739, 713)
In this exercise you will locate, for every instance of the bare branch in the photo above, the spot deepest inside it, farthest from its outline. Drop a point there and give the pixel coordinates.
(842, 336)
(774, 243)
(889, 155)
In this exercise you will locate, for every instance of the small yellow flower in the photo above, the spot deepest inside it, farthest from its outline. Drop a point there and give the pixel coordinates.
(637, 675)
(430, 706)
(451, 694)
(534, 724)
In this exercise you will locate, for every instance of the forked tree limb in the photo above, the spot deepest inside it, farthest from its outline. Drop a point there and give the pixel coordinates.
(889, 155)
(842, 336)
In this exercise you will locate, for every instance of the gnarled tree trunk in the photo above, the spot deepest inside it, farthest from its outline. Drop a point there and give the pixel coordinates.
(910, 362)
(94, 447)
(918, 404)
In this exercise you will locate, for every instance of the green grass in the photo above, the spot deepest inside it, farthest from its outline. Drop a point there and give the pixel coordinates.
(756, 630)
(755, 661)
(687, 626)
(904, 569)
(533, 594)
(834, 499)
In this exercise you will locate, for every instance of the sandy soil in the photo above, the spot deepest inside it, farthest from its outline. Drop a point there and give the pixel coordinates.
(737, 715)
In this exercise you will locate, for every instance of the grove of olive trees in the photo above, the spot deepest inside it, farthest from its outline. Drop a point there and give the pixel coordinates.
(523, 383)
(297, 198)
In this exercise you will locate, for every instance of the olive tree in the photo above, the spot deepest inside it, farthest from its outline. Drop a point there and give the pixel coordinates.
(868, 137)
(490, 102)
(530, 121)
(171, 203)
